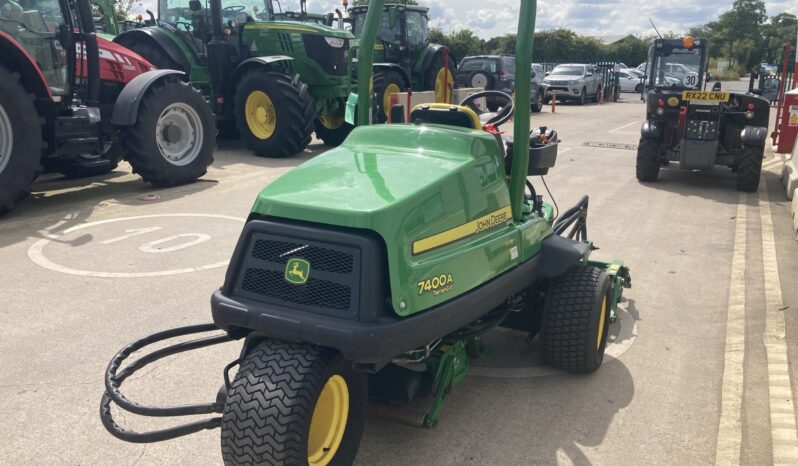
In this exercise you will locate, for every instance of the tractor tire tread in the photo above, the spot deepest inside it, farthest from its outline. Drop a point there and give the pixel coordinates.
(293, 106)
(566, 325)
(647, 163)
(23, 167)
(142, 151)
(749, 168)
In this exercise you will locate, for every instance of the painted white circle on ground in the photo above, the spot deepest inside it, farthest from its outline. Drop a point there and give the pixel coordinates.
(514, 357)
(171, 243)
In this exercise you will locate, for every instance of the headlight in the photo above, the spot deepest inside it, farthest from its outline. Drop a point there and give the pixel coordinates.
(335, 42)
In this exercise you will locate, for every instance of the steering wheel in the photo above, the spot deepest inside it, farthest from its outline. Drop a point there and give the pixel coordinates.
(231, 10)
(491, 118)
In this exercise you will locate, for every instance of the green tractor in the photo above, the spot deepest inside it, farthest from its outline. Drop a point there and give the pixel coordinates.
(373, 270)
(273, 82)
(404, 58)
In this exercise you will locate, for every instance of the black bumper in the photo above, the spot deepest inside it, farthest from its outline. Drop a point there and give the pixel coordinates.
(382, 340)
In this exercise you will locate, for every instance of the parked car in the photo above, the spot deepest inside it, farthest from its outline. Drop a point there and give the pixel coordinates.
(496, 73)
(631, 80)
(573, 81)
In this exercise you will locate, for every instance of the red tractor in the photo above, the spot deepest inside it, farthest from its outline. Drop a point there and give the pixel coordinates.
(76, 103)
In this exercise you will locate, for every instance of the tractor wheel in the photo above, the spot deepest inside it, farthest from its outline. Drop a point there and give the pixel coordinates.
(153, 53)
(293, 404)
(436, 79)
(638, 88)
(582, 97)
(385, 84)
(749, 168)
(20, 141)
(332, 129)
(598, 94)
(274, 113)
(576, 319)
(537, 104)
(647, 168)
(107, 163)
(173, 140)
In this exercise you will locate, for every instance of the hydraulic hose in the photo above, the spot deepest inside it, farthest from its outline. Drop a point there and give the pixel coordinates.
(114, 380)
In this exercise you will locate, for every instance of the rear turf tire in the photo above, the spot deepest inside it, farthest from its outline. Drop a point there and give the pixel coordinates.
(20, 141)
(647, 167)
(576, 320)
(385, 84)
(271, 402)
(279, 125)
(749, 168)
(157, 157)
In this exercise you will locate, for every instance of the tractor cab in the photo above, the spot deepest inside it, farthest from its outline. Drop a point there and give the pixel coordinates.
(677, 64)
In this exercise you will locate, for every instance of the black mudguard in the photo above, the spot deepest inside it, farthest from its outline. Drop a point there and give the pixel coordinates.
(164, 41)
(754, 135)
(377, 67)
(127, 104)
(254, 62)
(651, 130)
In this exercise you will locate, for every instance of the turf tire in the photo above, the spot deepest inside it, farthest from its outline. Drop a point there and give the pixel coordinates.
(140, 141)
(269, 406)
(647, 165)
(24, 162)
(749, 168)
(571, 319)
(293, 107)
(382, 80)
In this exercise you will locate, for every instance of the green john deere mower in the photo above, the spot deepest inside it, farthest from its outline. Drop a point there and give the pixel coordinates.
(372, 272)
(272, 81)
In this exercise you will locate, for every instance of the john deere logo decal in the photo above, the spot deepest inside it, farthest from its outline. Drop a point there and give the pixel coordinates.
(297, 271)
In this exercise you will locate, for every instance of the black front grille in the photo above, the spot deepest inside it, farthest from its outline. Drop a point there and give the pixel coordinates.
(331, 59)
(325, 259)
(319, 293)
(333, 281)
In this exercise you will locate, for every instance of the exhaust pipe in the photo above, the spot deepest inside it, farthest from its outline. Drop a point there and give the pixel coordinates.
(92, 52)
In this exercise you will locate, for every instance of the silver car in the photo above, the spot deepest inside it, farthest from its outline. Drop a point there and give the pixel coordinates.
(573, 81)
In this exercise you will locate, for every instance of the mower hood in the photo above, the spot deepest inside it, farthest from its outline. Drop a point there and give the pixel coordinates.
(376, 169)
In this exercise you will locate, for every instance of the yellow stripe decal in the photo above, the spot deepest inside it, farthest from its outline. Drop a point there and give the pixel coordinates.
(484, 223)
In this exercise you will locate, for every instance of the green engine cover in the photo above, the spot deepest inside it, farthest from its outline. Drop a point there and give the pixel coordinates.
(437, 196)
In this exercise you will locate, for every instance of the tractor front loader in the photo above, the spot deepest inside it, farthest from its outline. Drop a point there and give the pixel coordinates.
(377, 279)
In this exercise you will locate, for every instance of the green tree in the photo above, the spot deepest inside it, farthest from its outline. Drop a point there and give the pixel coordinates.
(743, 22)
(463, 43)
(123, 8)
(781, 29)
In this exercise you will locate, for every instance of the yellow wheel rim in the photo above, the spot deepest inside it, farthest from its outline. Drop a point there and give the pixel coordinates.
(331, 121)
(601, 323)
(260, 115)
(328, 424)
(443, 85)
(386, 97)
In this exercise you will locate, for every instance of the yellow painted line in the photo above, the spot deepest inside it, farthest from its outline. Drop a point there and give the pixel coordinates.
(783, 432)
(484, 223)
(730, 434)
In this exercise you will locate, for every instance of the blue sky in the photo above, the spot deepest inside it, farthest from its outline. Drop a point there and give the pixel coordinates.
(588, 17)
